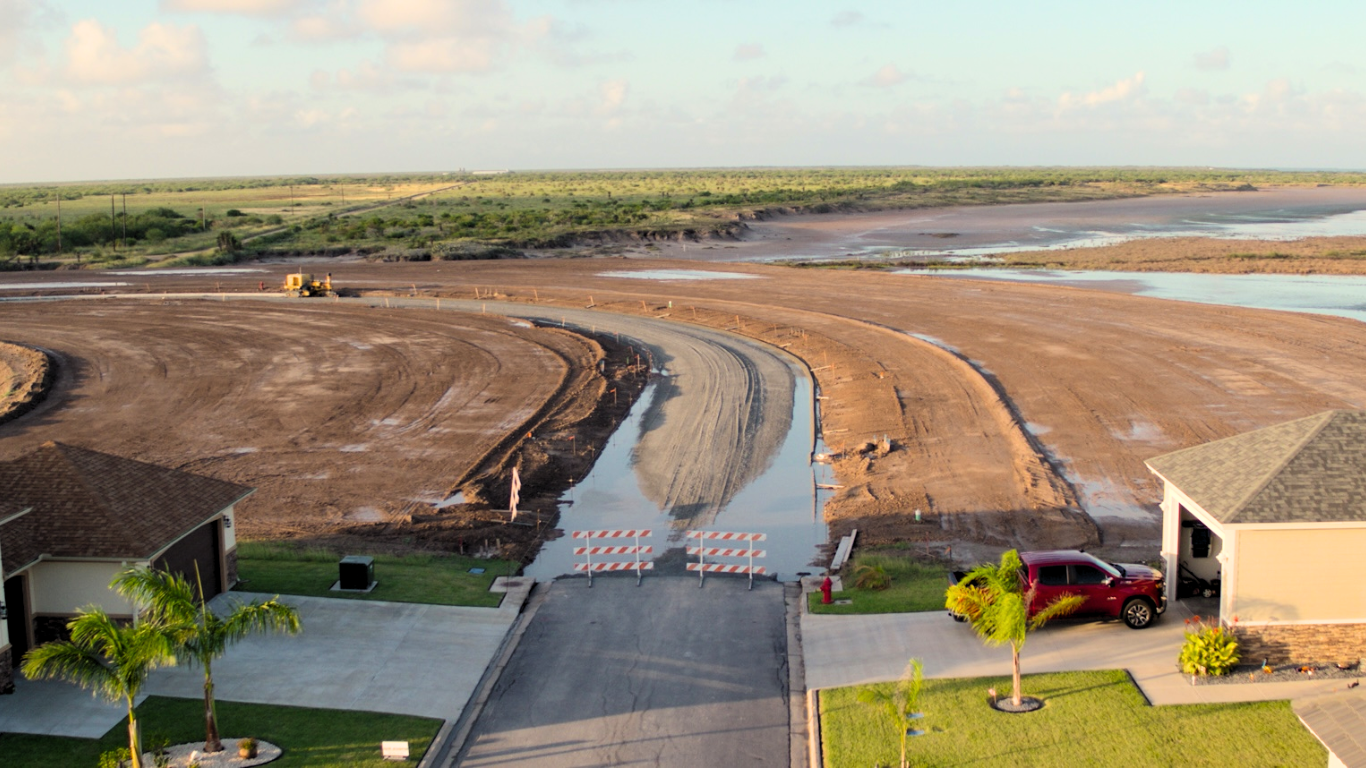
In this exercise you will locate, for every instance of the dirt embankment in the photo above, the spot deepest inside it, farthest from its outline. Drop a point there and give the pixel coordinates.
(26, 374)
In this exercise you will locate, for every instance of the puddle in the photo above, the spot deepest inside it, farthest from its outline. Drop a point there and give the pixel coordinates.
(42, 286)
(197, 271)
(1037, 429)
(667, 275)
(356, 448)
(365, 515)
(245, 450)
(1340, 295)
(456, 498)
(782, 502)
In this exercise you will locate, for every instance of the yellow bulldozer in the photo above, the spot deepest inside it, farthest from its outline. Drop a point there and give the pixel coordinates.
(304, 284)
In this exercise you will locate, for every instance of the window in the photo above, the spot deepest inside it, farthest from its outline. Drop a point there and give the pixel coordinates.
(1085, 574)
(1053, 575)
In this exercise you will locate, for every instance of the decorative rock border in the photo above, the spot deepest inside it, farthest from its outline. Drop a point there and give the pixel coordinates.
(1027, 704)
(184, 755)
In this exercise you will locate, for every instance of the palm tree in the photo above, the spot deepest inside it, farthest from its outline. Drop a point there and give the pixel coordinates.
(199, 635)
(994, 600)
(110, 659)
(901, 703)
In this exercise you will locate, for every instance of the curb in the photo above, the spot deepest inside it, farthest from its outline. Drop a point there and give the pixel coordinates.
(798, 698)
(452, 750)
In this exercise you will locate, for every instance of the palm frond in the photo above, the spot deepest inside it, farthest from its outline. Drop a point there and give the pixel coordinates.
(1059, 606)
(167, 596)
(63, 660)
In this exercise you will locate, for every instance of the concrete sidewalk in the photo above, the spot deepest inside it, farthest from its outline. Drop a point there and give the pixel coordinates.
(850, 650)
(403, 658)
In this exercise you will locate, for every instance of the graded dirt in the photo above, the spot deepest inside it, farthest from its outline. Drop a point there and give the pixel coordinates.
(1008, 414)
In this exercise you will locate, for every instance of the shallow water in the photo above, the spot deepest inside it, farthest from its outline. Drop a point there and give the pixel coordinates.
(48, 286)
(671, 275)
(1341, 295)
(782, 502)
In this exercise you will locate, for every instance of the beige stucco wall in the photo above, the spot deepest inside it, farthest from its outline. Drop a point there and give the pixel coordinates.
(1300, 575)
(61, 587)
(229, 529)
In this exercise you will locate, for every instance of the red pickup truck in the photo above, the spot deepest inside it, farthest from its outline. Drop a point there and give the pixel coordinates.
(1133, 593)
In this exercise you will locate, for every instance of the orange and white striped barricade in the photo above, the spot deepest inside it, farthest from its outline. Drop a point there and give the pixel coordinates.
(703, 552)
(636, 549)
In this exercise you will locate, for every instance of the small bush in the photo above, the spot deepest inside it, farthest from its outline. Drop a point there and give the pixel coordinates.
(1209, 649)
(115, 758)
(234, 213)
(872, 576)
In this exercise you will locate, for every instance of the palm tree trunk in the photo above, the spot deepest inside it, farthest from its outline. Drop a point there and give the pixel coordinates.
(211, 741)
(1015, 696)
(134, 748)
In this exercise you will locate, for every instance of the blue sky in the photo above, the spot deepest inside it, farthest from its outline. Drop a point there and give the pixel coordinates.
(173, 88)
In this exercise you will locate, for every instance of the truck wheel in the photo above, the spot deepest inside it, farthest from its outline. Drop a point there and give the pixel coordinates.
(958, 617)
(1138, 612)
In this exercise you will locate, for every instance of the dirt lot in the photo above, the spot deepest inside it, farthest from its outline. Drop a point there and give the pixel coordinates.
(1006, 407)
(348, 420)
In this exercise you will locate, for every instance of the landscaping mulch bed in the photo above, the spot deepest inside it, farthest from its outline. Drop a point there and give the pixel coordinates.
(1248, 674)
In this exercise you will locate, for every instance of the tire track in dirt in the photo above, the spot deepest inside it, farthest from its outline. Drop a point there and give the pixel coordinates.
(717, 418)
(316, 405)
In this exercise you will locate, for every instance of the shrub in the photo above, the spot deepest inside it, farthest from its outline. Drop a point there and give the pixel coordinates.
(233, 213)
(1209, 649)
(873, 577)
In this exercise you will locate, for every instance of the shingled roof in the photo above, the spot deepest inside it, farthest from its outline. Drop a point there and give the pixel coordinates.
(91, 504)
(1311, 470)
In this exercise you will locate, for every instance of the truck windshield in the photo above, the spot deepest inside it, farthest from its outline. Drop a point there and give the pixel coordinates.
(1110, 568)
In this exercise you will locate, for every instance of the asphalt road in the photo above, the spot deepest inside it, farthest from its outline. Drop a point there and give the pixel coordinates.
(665, 674)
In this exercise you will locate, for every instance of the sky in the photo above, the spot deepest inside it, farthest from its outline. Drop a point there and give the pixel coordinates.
(119, 89)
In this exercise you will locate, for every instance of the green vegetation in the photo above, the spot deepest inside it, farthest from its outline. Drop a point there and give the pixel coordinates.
(997, 606)
(200, 635)
(1091, 718)
(435, 579)
(1209, 648)
(915, 586)
(317, 738)
(899, 705)
(379, 215)
(111, 660)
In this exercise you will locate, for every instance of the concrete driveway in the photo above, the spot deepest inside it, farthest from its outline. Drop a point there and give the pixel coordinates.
(403, 658)
(850, 650)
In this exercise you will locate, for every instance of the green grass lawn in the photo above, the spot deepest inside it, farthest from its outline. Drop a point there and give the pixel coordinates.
(1091, 718)
(436, 579)
(915, 586)
(309, 737)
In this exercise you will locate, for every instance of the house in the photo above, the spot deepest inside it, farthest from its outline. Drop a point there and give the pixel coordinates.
(71, 519)
(1338, 719)
(1279, 516)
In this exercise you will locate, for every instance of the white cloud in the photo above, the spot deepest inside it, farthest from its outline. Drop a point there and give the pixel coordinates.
(886, 77)
(1123, 90)
(323, 27)
(748, 52)
(163, 52)
(613, 94)
(19, 19)
(1212, 61)
(241, 7)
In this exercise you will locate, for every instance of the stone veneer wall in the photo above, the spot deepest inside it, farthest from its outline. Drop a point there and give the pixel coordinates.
(231, 559)
(6, 674)
(1287, 643)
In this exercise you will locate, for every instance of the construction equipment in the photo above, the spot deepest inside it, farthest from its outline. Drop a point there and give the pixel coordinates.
(303, 284)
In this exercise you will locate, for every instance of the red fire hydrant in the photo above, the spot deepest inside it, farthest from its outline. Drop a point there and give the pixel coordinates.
(826, 586)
